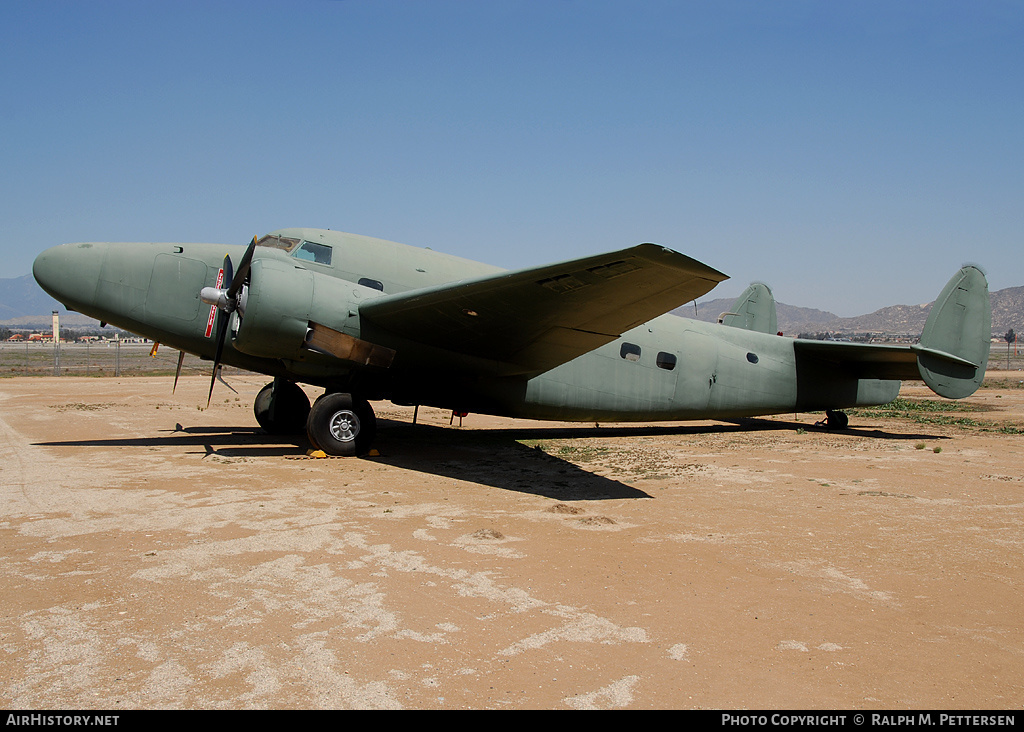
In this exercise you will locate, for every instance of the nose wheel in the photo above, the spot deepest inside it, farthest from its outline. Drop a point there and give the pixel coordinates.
(341, 424)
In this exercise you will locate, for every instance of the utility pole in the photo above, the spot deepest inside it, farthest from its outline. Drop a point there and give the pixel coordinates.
(56, 343)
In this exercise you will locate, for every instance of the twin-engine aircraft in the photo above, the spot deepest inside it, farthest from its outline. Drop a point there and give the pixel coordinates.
(588, 340)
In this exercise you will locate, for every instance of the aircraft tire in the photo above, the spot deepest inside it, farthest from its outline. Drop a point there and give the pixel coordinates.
(341, 424)
(290, 411)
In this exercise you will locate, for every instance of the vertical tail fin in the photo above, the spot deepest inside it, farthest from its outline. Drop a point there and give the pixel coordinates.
(753, 310)
(953, 351)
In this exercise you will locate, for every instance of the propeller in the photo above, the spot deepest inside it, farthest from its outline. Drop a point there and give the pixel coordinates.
(243, 270)
(177, 371)
(228, 298)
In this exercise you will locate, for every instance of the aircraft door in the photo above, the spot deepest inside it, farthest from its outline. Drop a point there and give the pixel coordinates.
(698, 364)
(665, 378)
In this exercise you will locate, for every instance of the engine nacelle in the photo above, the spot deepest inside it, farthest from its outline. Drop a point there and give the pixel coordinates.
(282, 301)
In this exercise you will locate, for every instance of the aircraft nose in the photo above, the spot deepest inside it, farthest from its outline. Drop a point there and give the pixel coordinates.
(70, 273)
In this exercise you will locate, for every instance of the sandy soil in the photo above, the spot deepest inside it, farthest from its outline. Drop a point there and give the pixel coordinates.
(158, 554)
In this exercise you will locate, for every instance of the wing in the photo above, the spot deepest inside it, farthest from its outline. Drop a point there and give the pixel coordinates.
(534, 319)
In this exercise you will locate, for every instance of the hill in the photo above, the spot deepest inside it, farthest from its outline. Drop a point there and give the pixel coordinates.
(1007, 312)
(23, 304)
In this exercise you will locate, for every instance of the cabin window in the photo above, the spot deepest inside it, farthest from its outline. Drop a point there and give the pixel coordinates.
(630, 352)
(375, 284)
(312, 252)
(752, 357)
(666, 361)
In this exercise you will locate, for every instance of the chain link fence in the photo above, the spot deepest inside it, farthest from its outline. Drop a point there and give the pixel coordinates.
(104, 358)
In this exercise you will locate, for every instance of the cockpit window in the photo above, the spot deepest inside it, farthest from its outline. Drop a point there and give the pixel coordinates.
(278, 242)
(312, 252)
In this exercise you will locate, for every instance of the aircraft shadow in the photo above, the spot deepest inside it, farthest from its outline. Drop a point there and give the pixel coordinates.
(223, 441)
(499, 457)
(489, 458)
(755, 424)
(752, 424)
(493, 457)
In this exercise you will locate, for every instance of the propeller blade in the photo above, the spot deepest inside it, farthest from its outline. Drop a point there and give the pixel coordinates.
(228, 276)
(177, 371)
(243, 270)
(223, 321)
(220, 378)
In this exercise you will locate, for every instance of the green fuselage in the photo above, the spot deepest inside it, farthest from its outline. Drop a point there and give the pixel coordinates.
(670, 368)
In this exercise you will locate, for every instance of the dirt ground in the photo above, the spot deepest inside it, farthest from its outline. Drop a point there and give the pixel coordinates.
(157, 554)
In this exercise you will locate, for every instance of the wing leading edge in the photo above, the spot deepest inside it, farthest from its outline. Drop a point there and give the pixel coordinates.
(537, 318)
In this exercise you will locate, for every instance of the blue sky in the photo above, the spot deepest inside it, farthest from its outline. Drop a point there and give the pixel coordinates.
(850, 154)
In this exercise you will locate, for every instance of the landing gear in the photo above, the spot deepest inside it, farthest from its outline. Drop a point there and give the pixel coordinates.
(281, 408)
(836, 420)
(341, 424)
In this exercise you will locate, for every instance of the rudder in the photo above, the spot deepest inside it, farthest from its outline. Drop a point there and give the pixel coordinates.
(753, 310)
(954, 347)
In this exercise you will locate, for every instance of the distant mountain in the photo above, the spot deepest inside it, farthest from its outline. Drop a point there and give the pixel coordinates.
(791, 318)
(22, 296)
(1007, 307)
(23, 304)
(1007, 312)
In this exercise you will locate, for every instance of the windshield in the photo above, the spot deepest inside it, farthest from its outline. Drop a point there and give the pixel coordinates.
(311, 252)
(278, 242)
(305, 250)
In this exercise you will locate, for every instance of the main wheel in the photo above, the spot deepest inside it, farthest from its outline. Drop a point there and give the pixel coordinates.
(282, 408)
(340, 424)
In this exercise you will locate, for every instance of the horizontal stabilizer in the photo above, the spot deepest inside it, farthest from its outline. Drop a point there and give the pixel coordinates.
(942, 356)
(862, 360)
(953, 352)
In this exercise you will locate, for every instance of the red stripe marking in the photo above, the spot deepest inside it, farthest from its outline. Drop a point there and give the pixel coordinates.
(213, 308)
